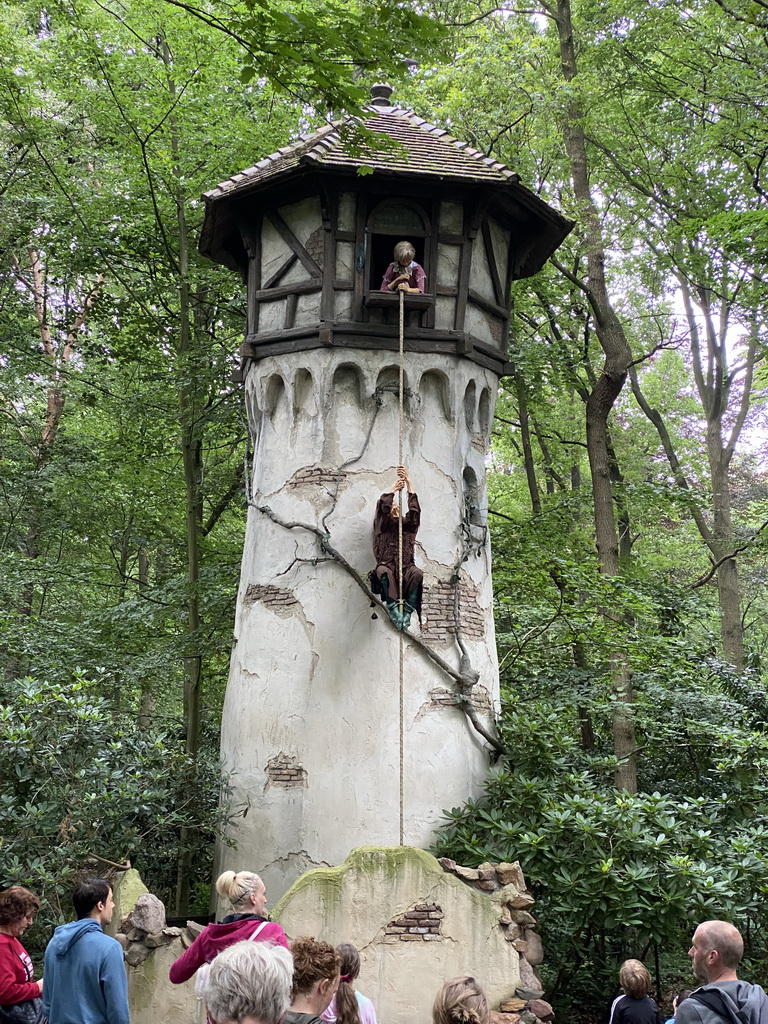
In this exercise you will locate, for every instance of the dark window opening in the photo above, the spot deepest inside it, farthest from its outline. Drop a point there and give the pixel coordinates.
(390, 222)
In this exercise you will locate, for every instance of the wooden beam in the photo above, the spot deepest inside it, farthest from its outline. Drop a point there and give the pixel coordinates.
(300, 288)
(490, 256)
(293, 243)
(282, 269)
(490, 307)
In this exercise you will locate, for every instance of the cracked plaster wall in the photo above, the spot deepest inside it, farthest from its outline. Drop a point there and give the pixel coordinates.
(313, 675)
(358, 902)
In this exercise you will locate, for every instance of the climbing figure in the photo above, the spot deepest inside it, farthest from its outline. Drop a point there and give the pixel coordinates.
(385, 578)
(404, 274)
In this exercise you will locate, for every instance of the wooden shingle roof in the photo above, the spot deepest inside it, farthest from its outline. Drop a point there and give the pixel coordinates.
(423, 150)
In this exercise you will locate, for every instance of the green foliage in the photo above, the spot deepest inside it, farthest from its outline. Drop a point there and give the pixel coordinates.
(613, 872)
(82, 780)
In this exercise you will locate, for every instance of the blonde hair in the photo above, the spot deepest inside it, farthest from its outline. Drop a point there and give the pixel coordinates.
(635, 979)
(235, 886)
(404, 251)
(461, 1001)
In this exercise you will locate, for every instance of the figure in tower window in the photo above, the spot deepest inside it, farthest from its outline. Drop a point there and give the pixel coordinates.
(404, 274)
(385, 580)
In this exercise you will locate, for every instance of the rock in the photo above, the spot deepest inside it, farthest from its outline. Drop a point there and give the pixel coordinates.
(173, 932)
(513, 933)
(486, 885)
(195, 928)
(522, 917)
(156, 939)
(529, 980)
(126, 890)
(148, 914)
(526, 1017)
(520, 945)
(487, 875)
(122, 939)
(136, 954)
(133, 934)
(506, 917)
(187, 938)
(534, 949)
(511, 874)
(447, 864)
(513, 1005)
(505, 895)
(504, 1018)
(542, 1010)
(521, 901)
(467, 874)
(529, 994)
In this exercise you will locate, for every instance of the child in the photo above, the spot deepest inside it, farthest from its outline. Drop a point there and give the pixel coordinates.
(404, 275)
(635, 1006)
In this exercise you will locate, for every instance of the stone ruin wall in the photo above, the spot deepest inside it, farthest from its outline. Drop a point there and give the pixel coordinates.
(421, 933)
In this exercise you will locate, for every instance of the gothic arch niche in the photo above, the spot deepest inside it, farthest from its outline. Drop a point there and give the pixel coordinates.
(346, 399)
(274, 396)
(472, 510)
(484, 413)
(470, 407)
(388, 382)
(434, 392)
(303, 394)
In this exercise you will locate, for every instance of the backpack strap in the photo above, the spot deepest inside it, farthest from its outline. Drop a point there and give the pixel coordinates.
(255, 934)
(714, 1001)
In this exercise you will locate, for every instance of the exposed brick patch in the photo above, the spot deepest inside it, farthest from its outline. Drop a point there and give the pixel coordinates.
(315, 475)
(286, 771)
(316, 246)
(438, 621)
(421, 924)
(497, 329)
(275, 598)
(480, 699)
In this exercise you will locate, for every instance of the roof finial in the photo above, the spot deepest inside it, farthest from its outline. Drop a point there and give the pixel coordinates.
(381, 95)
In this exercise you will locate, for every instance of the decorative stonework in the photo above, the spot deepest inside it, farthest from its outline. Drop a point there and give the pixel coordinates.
(422, 924)
(438, 617)
(286, 771)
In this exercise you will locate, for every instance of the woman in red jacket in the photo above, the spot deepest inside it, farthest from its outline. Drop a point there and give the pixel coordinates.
(18, 907)
(247, 896)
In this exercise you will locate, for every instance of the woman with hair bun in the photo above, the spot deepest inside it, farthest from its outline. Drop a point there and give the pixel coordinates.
(315, 980)
(461, 1001)
(247, 896)
(349, 1006)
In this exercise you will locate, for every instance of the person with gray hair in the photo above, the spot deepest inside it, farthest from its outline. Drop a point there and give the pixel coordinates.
(716, 949)
(250, 983)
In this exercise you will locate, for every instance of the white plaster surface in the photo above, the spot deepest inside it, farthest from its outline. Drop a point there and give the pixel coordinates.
(445, 312)
(343, 306)
(345, 261)
(354, 903)
(452, 218)
(274, 251)
(500, 239)
(302, 217)
(347, 206)
(307, 309)
(448, 264)
(318, 678)
(272, 315)
(479, 274)
(476, 324)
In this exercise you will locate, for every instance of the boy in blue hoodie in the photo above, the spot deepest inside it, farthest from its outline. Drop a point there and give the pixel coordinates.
(85, 980)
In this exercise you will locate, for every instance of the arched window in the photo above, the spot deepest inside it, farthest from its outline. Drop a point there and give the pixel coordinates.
(392, 221)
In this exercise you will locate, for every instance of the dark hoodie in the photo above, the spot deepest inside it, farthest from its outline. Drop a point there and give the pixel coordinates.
(738, 1003)
(84, 976)
(215, 937)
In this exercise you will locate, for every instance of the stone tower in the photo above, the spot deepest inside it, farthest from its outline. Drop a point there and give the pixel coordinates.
(329, 750)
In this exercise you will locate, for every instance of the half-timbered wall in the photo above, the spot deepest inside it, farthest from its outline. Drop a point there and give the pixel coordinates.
(315, 265)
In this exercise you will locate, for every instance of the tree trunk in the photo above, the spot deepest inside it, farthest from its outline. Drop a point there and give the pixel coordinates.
(601, 399)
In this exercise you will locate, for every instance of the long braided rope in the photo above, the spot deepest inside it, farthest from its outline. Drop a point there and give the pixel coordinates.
(400, 563)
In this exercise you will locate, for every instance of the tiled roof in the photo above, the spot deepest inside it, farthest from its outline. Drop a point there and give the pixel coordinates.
(426, 150)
